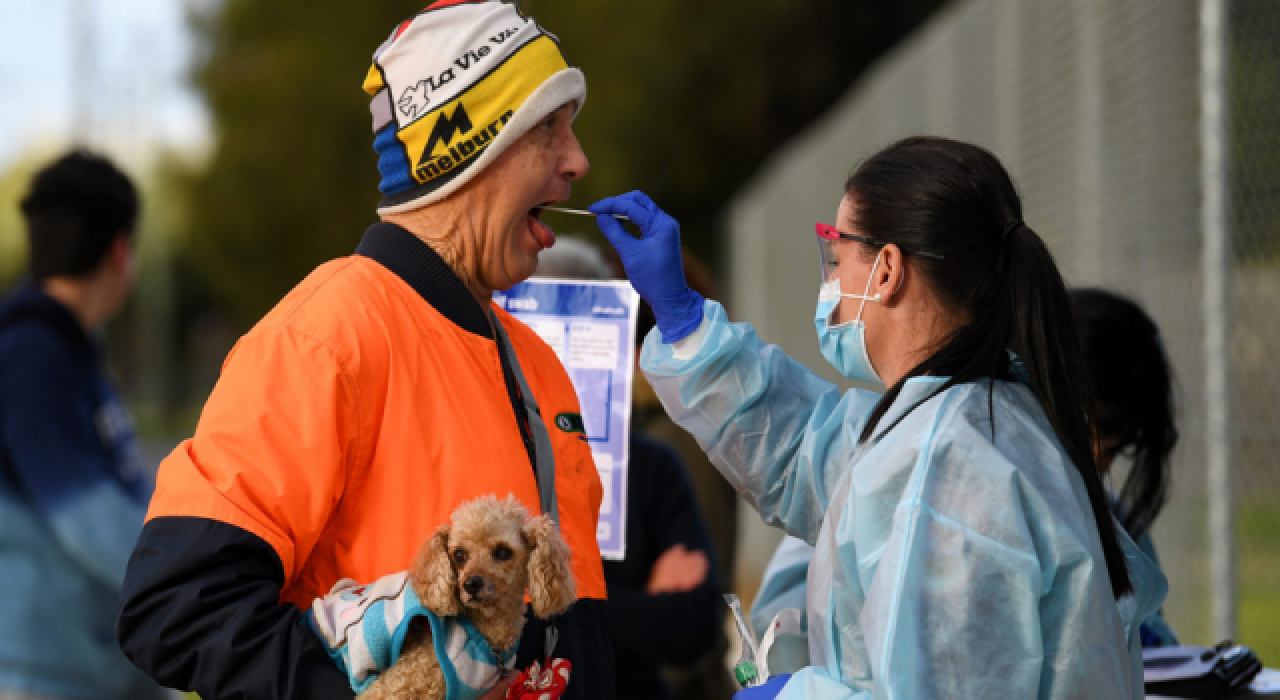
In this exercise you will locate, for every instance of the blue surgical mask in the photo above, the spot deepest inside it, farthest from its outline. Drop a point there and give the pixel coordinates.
(845, 345)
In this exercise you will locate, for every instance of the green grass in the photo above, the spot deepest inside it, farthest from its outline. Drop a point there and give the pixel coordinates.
(1258, 535)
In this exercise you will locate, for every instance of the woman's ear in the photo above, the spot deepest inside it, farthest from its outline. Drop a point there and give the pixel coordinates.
(434, 578)
(551, 585)
(892, 272)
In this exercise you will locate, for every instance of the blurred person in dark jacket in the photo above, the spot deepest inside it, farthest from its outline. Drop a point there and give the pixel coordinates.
(664, 604)
(73, 487)
(707, 679)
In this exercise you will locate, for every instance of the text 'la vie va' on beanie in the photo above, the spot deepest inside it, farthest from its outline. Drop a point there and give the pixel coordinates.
(452, 88)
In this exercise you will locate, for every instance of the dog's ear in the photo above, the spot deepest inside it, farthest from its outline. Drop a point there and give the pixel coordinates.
(434, 578)
(550, 582)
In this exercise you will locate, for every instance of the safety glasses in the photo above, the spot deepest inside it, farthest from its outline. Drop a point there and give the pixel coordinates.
(826, 251)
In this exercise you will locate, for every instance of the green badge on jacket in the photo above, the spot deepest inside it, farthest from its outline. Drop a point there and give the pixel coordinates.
(571, 423)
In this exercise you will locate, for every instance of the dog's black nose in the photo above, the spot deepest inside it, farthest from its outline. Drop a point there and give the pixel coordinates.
(473, 585)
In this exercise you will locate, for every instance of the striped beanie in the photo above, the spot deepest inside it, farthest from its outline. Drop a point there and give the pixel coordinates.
(452, 88)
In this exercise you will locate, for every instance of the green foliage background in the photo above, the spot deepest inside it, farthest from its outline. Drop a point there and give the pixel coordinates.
(685, 101)
(14, 182)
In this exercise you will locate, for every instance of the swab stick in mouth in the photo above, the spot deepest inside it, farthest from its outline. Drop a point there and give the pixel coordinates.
(580, 212)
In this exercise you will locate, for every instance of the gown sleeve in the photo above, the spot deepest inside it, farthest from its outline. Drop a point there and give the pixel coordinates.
(780, 434)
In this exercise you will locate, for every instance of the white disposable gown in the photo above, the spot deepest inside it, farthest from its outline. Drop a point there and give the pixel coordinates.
(948, 564)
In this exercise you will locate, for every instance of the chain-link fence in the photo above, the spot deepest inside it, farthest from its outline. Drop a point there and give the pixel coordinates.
(1253, 80)
(1095, 106)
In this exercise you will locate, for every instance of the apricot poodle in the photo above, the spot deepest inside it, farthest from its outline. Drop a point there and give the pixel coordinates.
(479, 565)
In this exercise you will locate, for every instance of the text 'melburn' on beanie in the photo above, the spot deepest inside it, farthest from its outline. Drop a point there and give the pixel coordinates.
(452, 88)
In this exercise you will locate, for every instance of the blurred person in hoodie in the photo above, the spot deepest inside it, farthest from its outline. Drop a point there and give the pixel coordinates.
(73, 486)
(665, 609)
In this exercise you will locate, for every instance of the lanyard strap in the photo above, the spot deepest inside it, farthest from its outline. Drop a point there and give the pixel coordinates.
(545, 467)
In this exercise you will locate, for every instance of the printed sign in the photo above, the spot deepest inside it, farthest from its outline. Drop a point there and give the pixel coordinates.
(592, 328)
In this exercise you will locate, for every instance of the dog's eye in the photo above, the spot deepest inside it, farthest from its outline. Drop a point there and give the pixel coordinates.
(501, 553)
(460, 557)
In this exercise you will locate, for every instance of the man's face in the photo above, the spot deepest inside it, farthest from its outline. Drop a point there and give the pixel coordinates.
(533, 171)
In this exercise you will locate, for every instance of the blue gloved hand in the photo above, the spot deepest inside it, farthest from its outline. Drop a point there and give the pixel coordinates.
(653, 262)
(768, 691)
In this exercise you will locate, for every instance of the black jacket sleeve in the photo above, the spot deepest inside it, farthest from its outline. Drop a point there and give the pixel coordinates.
(669, 628)
(672, 628)
(201, 611)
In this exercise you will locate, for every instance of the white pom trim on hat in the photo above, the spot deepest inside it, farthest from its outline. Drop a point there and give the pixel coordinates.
(561, 88)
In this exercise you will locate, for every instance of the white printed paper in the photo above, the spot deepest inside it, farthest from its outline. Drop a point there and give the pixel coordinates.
(592, 328)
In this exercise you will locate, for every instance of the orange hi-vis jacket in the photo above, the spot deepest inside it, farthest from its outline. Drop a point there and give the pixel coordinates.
(355, 417)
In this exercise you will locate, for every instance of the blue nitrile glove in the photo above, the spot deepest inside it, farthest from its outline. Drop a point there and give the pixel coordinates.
(653, 263)
(768, 691)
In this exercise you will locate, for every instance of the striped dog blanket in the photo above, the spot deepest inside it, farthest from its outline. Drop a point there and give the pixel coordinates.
(364, 628)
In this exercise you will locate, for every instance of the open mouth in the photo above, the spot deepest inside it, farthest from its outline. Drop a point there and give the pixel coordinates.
(536, 212)
(541, 232)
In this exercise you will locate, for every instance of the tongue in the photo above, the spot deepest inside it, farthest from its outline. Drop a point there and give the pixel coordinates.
(542, 233)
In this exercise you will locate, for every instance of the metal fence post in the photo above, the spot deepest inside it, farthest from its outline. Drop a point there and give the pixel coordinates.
(1216, 276)
(1090, 173)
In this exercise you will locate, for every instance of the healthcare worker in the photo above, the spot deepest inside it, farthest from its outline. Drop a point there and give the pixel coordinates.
(964, 547)
(1133, 415)
(1132, 385)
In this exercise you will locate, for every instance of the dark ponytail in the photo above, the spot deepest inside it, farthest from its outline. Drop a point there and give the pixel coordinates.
(956, 200)
(1132, 385)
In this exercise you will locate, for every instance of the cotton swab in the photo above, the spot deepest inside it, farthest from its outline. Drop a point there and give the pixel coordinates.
(580, 212)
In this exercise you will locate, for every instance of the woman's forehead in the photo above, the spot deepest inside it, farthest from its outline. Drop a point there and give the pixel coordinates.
(845, 214)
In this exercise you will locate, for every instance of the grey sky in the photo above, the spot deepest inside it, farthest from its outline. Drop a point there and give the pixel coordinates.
(134, 89)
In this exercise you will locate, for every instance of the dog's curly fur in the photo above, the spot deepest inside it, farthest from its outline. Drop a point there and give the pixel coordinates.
(480, 566)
